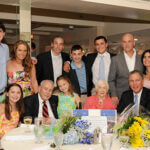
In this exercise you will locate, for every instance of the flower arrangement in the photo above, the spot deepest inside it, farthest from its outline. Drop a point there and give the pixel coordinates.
(74, 130)
(138, 131)
(81, 127)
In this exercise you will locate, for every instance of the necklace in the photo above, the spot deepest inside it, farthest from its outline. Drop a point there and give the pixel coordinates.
(100, 101)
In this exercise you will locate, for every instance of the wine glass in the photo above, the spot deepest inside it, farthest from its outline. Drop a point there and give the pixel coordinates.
(58, 140)
(123, 137)
(38, 129)
(107, 139)
(27, 120)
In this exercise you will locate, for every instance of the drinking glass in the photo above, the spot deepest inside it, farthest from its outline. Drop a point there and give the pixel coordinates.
(27, 120)
(58, 140)
(124, 138)
(107, 139)
(38, 129)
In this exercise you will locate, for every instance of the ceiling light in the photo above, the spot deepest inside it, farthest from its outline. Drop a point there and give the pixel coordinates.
(71, 27)
(135, 39)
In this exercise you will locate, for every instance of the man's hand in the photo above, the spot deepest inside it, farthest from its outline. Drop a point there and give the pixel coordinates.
(66, 66)
(47, 121)
(34, 60)
(115, 100)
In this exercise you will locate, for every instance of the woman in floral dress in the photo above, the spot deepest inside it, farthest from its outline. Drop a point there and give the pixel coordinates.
(21, 70)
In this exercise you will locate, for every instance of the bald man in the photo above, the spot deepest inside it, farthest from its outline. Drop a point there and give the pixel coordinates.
(34, 103)
(121, 65)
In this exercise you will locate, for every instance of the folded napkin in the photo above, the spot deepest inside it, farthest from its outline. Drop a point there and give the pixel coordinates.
(42, 148)
(19, 137)
(30, 126)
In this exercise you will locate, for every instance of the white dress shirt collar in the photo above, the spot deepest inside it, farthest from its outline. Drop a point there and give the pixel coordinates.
(130, 61)
(134, 54)
(41, 105)
(104, 54)
(52, 53)
(95, 66)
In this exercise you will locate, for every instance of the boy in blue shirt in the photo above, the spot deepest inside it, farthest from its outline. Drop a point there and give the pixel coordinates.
(78, 72)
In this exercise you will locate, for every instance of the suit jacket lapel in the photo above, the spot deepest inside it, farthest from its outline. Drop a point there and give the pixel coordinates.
(50, 67)
(142, 99)
(123, 61)
(36, 103)
(53, 107)
(136, 62)
(93, 58)
(132, 97)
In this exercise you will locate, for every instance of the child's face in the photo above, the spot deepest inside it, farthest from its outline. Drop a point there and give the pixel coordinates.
(14, 94)
(77, 55)
(2, 34)
(63, 85)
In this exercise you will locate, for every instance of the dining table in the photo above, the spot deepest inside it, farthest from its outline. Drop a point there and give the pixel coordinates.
(19, 139)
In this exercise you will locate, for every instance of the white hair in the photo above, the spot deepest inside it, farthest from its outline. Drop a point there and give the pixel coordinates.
(101, 82)
(50, 81)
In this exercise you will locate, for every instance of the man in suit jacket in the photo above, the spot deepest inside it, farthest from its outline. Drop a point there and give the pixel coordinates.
(34, 103)
(121, 65)
(50, 64)
(137, 90)
(93, 61)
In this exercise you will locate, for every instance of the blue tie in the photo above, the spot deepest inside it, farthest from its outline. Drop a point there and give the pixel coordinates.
(136, 104)
(101, 69)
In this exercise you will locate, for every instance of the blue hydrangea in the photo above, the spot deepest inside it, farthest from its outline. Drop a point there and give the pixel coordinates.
(81, 127)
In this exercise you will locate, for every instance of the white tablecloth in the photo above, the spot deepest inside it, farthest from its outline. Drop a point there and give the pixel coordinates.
(29, 144)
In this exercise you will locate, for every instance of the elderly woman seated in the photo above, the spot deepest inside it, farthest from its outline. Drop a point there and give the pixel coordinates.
(101, 100)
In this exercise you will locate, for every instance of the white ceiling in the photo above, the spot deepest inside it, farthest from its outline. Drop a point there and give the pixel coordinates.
(133, 9)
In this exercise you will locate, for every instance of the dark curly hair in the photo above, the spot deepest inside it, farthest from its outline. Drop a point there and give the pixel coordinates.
(146, 51)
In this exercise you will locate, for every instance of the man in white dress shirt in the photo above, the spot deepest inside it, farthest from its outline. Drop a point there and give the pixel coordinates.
(50, 64)
(99, 62)
(42, 104)
(121, 65)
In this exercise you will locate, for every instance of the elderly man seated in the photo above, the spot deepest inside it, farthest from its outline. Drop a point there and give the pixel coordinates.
(138, 95)
(101, 100)
(43, 104)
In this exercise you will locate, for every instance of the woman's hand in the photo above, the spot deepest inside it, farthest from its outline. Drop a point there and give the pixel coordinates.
(1, 135)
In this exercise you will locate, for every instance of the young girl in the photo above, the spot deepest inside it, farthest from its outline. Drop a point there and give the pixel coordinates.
(12, 109)
(68, 100)
(21, 70)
